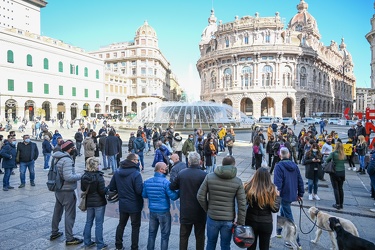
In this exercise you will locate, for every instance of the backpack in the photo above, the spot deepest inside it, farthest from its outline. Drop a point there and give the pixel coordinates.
(256, 149)
(281, 146)
(277, 147)
(54, 180)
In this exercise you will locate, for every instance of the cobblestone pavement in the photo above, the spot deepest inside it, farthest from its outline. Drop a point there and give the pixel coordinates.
(25, 214)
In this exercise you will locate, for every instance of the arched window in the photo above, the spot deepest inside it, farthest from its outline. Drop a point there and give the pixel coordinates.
(10, 58)
(314, 78)
(287, 76)
(61, 67)
(319, 81)
(246, 39)
(299, 27)
(227, 78)
(247, 76)
(204, 82)
(86, 72)
(29, 60)
(303, 77)
(45, 63)
(213, 80)
(97, 74)
(226, 42)
(267, 76)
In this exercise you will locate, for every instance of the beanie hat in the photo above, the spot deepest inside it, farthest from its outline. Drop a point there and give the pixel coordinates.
(67, 145)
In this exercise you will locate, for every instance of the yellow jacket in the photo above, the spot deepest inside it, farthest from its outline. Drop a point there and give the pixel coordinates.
(222, 133)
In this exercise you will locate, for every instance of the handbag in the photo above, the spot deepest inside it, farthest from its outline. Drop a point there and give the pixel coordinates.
(83, 204)
(330, 167)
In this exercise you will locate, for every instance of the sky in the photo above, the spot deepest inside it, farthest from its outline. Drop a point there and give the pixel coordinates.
(90, 24)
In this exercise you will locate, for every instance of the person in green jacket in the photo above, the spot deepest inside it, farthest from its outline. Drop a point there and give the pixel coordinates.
(222, 187)
(338, 178)
(188, 147)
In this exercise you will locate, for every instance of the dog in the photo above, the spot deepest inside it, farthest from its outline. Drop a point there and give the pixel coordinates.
(289, 232)
(322, 221)
(346, 240)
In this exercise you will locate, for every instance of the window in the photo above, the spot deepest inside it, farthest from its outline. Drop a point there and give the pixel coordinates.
(72, 69)
(74, 91)
(303, 77)
(86, 72)
(29, 60)
(143, 71)
(61, 67)
(30, 87)
(267, 76)
(299, 27)
(45, 63)
(10, 58)
(246, 39)
(86, 93)
(46, 88)
(287, 76)
(213, 80)
(97, 94)
(10, 85)
(61, 90)
(97, 74)
(77, 70)
(247, 74)
(227, 78)
(226, 42)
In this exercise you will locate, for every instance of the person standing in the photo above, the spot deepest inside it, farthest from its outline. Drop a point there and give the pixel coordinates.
(351, 132)
(119, 155)
(293, 140)
(66, 199)
(188, 181)
(8, 152)
(131, 143)
(27, 153)
(349, 152)
(262, 197)
(258, 151)
(89, 146)
(161, 154)
(139, 146)
(223, 188)
(269, 150)
(221, 135)
(229, 142)
(112, 148)
(360, 130)
(322, 125)
(93, 182)
(55, 136)
(313, 162)
(177, 166)
(177, 145)
(102, 140)
(47, 150)
(289, 183)
(188, 147)
(361, 149)
(338, 178)
(79, 139)
(127, 180)
(158, 193)
(210, 152)
(155, 137)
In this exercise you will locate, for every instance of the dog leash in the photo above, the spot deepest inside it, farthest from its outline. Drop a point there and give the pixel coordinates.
(314, 222)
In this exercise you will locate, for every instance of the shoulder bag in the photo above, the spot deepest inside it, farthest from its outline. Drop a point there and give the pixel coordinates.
(330, 167)
(83, 204)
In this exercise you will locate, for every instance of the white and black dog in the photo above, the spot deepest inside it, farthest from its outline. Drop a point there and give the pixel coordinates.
(346, 240)
(289, 232)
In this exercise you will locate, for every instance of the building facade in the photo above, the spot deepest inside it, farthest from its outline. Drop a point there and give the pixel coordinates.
(365, 98)
(140, 70)
(46, 78)
(263, 69)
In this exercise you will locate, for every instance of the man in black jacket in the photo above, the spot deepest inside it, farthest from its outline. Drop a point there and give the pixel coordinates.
(188, 182)
(360, 130)
(27, 153)
(351, 132)
(79, 138)
(177, 166)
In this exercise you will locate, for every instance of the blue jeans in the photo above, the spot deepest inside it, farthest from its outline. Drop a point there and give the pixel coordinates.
(47, 156)
(141, 157)
(96, 213)
(214, 227)
(112, 162)
(23, 166)
(164, 220)
(313, 183)
(286, 211)
(361, 159)
(7, 173)
(221, 145)
(104, 157)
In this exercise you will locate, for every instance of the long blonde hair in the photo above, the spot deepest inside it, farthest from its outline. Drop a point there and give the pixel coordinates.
(339, 148)
(92, 164)
(261, 189)
(362, 140)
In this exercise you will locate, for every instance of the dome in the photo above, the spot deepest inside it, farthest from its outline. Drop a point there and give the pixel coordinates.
(304, 21)
(210, 30)
(191, 115)
(146, 30)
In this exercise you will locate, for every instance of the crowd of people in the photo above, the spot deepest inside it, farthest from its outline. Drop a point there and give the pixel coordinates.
(212, 197)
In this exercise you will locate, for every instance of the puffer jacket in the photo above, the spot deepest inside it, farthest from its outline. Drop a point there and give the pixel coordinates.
(89, 147)
(159, 155)
(177, 143)
(127, 180)
(96, 193)
(66, 169)
(8, 152)
(218, 192)
(187, 147)
(157, 190)
(288, 180)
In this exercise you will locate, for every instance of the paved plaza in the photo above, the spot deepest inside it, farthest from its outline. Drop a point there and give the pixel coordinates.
(25, 214)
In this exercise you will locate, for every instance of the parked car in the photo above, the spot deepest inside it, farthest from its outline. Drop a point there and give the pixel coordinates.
(287, 120)
(333, 121)
(266, 119)
(308, 120)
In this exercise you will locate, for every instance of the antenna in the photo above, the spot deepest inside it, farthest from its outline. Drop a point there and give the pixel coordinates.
(212, 4)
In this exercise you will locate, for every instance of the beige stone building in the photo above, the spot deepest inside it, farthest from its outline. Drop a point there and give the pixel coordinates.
(260, 67)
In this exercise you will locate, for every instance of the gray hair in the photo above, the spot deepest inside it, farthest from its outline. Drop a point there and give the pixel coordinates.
(284, 152)
(194, 158)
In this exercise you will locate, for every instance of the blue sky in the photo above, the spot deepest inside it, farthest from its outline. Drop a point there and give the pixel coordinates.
(90, 24)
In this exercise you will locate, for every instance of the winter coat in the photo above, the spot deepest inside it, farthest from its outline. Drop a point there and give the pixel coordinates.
(102, 141)
(188, 147)
(96, 194)
(177, 143)
(54, 138)
(158, 193)
(371, 165)
(360, 130)
(155, 136)
(208, 154)
(139, 145)
(89, 147)
(127, 180)
(177, 167)
(288, 180)
(79, 137)
(8, 152)
(269, 147)
(261, 215)
(311, 166)
(131, 143)
(218, 193)
(188, 181)
(66, 169)
(27, 152)
(112, 145)
(351, 133)
(47, 147)
(159, 155)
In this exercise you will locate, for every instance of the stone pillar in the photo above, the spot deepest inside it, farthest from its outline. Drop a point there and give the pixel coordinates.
(278, 107)
(257, 107)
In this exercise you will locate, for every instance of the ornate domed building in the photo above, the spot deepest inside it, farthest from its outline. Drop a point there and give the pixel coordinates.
(263, 69)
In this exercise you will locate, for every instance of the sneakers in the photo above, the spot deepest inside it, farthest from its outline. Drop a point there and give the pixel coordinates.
(55, 236)
(288, 245)
(91, 244)
(372, 210)
(354, 169)
(110, 173)
(5, 189)
(74, 241)
(279, 236)
(32, 184)
(10, 187)
(349, 168)
(310, 197)
(316, 197)
(104, 247)
(21, 186)
(46, 169)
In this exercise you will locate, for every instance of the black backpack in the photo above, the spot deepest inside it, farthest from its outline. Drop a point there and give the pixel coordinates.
(54, 180)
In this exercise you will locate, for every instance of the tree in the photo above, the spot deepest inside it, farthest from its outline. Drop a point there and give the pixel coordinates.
(40, 112)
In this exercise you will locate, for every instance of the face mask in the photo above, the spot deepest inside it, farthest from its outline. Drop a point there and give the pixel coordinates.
(171, 162)
(166, 172)
(211, 142)
(329, 143)
(27, 140)
(315, 150)
(190, 139)
(14, 143)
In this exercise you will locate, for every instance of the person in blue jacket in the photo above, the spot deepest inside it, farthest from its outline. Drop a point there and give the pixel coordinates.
(157, 191)
(54, 138)
(47, 151)
(8, 152)
(161, 154)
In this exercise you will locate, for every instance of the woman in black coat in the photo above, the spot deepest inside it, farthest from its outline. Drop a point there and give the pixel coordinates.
(8, 152)
(210, 151)
(93, 181)
(313, 161)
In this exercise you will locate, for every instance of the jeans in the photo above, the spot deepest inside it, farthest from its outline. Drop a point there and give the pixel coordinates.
(7, 173)
(214, 227)
(361, 159)
(104, 160)
(313, 183)
(78, 146)
(141, 157)
(112, 162)
(96, 213)
(286, 211)
(164, 220)
(47, 156)
(135, 223)
(337, 183)
(23, 166)
(185, 231)
(230, 150)
(221, 144)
